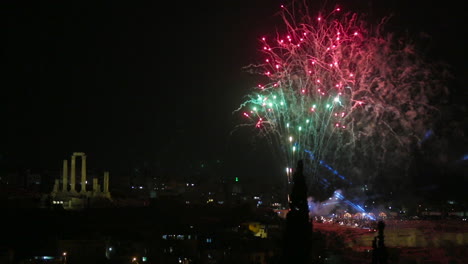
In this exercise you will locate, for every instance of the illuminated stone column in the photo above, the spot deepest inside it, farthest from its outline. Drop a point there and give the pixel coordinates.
(106, 181)
(95, 185)
(96, 188)
(65, 176)
(106, 192)
(56, 187)
(83, 174)
(72, 174)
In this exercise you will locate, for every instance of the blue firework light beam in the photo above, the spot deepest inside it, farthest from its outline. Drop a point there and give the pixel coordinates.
(328, 167)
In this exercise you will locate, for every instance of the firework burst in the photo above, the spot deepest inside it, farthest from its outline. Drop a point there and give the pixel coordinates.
(340, 92)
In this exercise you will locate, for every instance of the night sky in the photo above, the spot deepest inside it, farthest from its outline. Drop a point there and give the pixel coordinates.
(133, 82)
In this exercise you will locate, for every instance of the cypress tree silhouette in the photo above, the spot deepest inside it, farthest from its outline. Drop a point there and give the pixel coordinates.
(298, 233)
(379, 251)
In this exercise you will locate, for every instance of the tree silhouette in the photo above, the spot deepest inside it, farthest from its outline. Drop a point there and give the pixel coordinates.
(298, 233)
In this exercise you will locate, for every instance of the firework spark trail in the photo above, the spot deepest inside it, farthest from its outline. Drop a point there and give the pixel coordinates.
(349, 94)
(300, 104)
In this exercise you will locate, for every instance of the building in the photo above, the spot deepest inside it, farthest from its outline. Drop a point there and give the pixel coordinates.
(66, 194)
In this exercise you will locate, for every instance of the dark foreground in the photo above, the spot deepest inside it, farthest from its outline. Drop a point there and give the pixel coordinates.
(175, 233)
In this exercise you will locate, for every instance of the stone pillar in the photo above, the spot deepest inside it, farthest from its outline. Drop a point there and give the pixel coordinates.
(72, 174)
(106, 182)
(56, 187)
(106, 192)
(95, 185)
(65, 176)
(83, 174)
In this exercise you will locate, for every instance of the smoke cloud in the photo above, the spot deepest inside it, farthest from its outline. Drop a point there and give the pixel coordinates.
(325, 207)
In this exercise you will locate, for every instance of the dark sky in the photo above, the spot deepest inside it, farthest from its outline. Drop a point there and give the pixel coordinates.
(132, 82)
